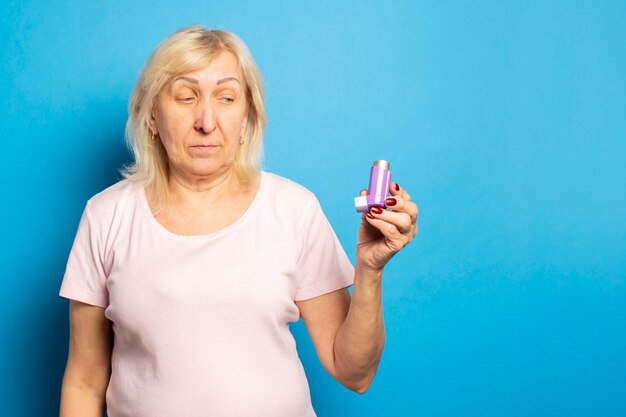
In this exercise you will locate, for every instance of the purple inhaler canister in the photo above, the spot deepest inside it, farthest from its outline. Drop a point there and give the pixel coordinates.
(380, 177)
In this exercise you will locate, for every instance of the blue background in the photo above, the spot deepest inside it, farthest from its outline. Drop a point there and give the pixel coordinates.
(505, 121)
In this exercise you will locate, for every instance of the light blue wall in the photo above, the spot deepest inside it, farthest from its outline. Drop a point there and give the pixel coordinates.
(504, 120)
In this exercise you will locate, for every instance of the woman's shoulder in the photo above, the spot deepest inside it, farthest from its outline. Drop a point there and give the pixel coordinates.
(288, 199)
(114, 197)
(285, 188)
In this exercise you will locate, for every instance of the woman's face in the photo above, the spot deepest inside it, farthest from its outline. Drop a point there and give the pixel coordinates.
(200, 116)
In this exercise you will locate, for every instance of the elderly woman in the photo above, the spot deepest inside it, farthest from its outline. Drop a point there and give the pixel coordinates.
(184, 275)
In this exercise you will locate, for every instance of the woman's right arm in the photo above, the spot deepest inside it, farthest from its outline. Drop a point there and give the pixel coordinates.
(88, 368)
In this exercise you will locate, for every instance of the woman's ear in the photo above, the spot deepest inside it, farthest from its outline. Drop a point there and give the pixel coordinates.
(152, 124)
(245, 122)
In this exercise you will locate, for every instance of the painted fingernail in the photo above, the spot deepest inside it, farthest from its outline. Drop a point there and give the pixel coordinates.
(368, 214)
(376, 210)
(397, 187)
(390, 202)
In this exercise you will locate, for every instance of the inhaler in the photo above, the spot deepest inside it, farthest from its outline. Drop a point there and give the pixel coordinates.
(380, 177)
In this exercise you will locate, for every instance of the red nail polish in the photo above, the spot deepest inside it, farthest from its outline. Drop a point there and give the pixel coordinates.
(397, 187)
(368, 214)
(390, 202)
(377, 210)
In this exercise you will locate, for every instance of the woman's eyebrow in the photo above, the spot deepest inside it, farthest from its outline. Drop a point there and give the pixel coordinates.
(191, 80)
(223, 80)
(194, 81)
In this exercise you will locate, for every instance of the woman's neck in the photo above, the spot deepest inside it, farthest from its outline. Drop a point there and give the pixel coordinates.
(195, 191)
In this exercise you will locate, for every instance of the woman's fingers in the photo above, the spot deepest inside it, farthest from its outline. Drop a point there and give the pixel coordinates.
(401, 205)
(395, 189)
(399, 202)
(400, 220)
(394, 238)
(398, 223)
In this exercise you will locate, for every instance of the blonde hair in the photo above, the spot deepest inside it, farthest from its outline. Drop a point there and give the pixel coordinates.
(189, 49)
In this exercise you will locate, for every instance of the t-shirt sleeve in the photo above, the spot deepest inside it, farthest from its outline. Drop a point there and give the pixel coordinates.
(323, 265)
(85, 278)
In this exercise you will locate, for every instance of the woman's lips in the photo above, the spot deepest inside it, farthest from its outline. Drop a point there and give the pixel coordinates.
(204, 147)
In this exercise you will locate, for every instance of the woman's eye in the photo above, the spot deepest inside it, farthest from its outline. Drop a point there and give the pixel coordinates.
(186, 99)
(227, 99)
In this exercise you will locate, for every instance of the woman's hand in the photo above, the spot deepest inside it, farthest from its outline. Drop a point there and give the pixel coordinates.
(383, 233)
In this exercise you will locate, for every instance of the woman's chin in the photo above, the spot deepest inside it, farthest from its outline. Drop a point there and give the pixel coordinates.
(207, 167)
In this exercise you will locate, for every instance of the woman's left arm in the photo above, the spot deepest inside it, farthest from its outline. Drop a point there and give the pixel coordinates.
(349, 333)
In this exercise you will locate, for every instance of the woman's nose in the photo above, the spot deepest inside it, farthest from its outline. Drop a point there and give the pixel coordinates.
(205, 117)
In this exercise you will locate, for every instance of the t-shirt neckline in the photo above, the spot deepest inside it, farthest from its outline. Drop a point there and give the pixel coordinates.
(143, 200)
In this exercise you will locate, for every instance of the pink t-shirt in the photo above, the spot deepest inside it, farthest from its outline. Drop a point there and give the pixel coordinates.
(201, 322)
